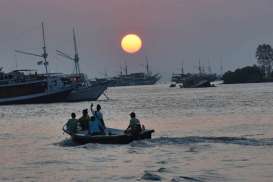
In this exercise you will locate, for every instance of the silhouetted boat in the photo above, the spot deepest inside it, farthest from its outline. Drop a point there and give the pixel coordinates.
(116, 137)
(197, 80)
(17, 87)
(84, 89)
(132, 79)
(172, 85)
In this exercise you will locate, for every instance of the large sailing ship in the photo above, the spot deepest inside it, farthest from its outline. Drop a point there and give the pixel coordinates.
(84, 90)
(27, 86)
(24, 86)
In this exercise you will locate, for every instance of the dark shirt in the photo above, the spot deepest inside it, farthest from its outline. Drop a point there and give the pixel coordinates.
(84, 122)
(134, 127)
(72, 125)
(134, 122)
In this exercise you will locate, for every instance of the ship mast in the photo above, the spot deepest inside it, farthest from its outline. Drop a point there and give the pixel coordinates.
(120, 66)
(44, 55)
(221, 67)
(76, 57)
(199, 67)
(182, 68)
(126, 68)
(147, 65)
(209, 67)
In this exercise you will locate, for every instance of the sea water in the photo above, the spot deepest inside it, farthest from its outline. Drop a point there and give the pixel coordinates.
(208, 134)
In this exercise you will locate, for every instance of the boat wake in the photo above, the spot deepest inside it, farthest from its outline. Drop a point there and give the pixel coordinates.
(208, 140)
(186, 141)
(66, 143)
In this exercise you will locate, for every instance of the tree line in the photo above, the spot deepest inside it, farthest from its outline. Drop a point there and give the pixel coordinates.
(262, 72)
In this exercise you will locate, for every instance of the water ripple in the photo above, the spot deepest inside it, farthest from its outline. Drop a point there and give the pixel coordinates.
(184, 178)
(199, 139)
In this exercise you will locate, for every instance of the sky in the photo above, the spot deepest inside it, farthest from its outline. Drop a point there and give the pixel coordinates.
(173, 31)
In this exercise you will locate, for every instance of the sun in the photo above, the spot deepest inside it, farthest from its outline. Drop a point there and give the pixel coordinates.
(131, 43)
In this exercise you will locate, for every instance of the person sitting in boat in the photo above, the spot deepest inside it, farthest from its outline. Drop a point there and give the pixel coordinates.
(84, 120)
(96, 124)
(134, 127)
(72, 124)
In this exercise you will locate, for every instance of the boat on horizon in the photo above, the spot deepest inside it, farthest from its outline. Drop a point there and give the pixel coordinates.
(193, 80)
(132, 79)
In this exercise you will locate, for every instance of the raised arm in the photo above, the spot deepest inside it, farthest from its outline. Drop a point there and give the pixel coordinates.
(91, 108)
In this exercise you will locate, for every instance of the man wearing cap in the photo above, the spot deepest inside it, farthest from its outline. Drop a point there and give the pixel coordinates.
(134, 127)
(84, 120)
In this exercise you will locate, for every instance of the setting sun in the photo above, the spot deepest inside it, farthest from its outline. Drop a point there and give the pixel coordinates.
(131, 43)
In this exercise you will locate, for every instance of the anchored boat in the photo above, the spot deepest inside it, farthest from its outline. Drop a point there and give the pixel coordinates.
(132, 79)
(23, 87)
(84, 89)
(194, 80)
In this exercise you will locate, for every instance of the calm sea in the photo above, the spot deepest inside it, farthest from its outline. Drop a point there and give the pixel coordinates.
(209, 134)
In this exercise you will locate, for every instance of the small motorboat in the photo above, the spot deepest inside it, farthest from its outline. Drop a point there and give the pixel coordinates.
(172, 85)
(112, 136)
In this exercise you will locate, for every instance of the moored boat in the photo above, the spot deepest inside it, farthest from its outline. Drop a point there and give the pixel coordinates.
(84, 89)
(26, 87)
(194, 80)
(18, 88)
(132, 79)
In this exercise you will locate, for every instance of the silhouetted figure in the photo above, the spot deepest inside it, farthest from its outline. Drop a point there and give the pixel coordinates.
(134, 127)
(72, 124)
(84, 120)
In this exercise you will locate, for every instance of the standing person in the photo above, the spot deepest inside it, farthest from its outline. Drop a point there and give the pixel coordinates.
(95, 127)
(84, 120)
(134, 127)
(98, 115)
(72, 124)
